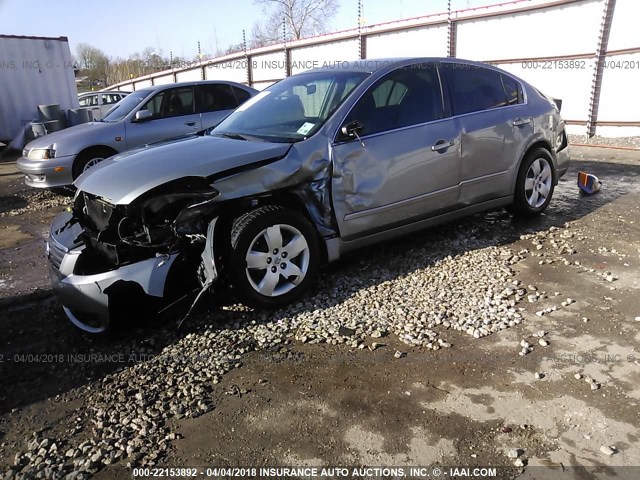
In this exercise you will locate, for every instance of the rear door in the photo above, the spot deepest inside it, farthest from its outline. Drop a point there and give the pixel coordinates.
(214, 102)
(490, 108)
(405, 166)
(173, 115)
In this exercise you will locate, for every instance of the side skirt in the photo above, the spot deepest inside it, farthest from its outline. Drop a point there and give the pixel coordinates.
(337, 246)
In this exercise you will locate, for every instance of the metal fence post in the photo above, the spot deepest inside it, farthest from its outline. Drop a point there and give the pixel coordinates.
(601, 50)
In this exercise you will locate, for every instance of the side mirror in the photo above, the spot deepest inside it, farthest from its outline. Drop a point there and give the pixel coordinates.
(142, 115)
(350, 130)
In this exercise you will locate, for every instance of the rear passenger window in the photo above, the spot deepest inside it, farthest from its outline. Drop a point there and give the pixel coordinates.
(216, 97)
(241, 95)
(512, 90)
(405, 97)
(474, 89)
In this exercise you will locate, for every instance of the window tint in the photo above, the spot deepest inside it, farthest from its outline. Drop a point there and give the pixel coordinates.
(389, 93)
(512, 90)
(216, 97)
(408, 96)
(171, 103)
(474, 88)
(241, 95)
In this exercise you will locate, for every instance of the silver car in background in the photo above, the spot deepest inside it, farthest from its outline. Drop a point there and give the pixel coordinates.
(319, 164)
(99, 103)
(144, 116)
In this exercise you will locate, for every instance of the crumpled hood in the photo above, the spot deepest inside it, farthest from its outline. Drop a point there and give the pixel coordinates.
(71, 140)
(124, 177)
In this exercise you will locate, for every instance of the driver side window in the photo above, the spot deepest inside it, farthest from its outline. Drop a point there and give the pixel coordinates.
(171, 103)
(408, 96)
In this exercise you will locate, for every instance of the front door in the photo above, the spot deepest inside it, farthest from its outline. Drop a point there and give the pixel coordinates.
(173, 115)
(404, 163)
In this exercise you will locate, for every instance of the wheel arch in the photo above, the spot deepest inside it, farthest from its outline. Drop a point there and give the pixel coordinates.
(232, 209)
(538, 143)
(88, 150)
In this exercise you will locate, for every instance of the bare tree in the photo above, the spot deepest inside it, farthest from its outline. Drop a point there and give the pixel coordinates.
(93, 62)
(301, 18)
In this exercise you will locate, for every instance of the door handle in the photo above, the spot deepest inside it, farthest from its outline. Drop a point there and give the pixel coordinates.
(521, 121)
(190, 124)
(442, 145)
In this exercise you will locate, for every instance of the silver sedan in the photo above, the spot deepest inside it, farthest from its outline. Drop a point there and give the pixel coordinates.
(319, 164)
(144, 116)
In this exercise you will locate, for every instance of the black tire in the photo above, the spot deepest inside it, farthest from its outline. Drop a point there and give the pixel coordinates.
(523, 198)
(88, 156)
(247, 232)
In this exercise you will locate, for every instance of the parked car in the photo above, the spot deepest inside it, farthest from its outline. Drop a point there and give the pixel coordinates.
(319, 164)
(144, 116)
(99, 103)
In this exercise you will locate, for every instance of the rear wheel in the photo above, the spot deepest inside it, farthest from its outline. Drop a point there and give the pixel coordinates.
(274, 258)
(90, 159)
(535, 184)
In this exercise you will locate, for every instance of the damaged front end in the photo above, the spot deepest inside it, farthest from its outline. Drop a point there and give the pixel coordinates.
(108, 261)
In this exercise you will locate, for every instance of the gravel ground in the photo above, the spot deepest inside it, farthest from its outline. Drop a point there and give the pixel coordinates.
(443, 289)
(34, 201)
(465, 284)
(633, 142)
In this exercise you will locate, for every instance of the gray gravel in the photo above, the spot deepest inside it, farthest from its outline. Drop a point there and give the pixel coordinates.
(609, 141)
(37, 200)
(453, 281)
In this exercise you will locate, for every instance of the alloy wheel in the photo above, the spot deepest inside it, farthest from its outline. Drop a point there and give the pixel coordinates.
(538, 182)
(277, 260)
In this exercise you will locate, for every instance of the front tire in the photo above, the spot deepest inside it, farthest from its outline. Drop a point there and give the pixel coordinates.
(89, 159)
(535, 184)
(274, 258)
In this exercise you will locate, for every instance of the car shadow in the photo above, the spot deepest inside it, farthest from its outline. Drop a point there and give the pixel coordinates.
(12, 202)
(43, 355)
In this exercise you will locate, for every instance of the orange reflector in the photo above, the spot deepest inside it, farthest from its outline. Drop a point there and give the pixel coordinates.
(58, 169)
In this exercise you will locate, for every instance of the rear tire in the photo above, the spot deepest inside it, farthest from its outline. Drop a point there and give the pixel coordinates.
(88, 159)
(274, 257)
(535, 184)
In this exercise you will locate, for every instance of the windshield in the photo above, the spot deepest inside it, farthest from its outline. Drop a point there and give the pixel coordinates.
(293, 109)
(124, 106)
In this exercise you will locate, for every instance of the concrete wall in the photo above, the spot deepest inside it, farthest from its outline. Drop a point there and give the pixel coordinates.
(549, 43)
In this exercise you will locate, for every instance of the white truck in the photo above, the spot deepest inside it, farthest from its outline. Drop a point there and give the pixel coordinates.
(33, 71)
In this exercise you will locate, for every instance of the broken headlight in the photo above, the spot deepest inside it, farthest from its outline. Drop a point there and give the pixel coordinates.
(169, 212)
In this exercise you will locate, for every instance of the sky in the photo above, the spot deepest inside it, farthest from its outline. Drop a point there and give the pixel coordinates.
(120, 28)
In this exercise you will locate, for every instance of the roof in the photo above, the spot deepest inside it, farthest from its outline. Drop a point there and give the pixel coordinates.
(371, 65)
(366, 65)
(93, 92)
(154, 88)
(29, 37)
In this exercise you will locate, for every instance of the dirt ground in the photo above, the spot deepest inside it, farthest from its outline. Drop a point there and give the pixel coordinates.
(320, 405)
